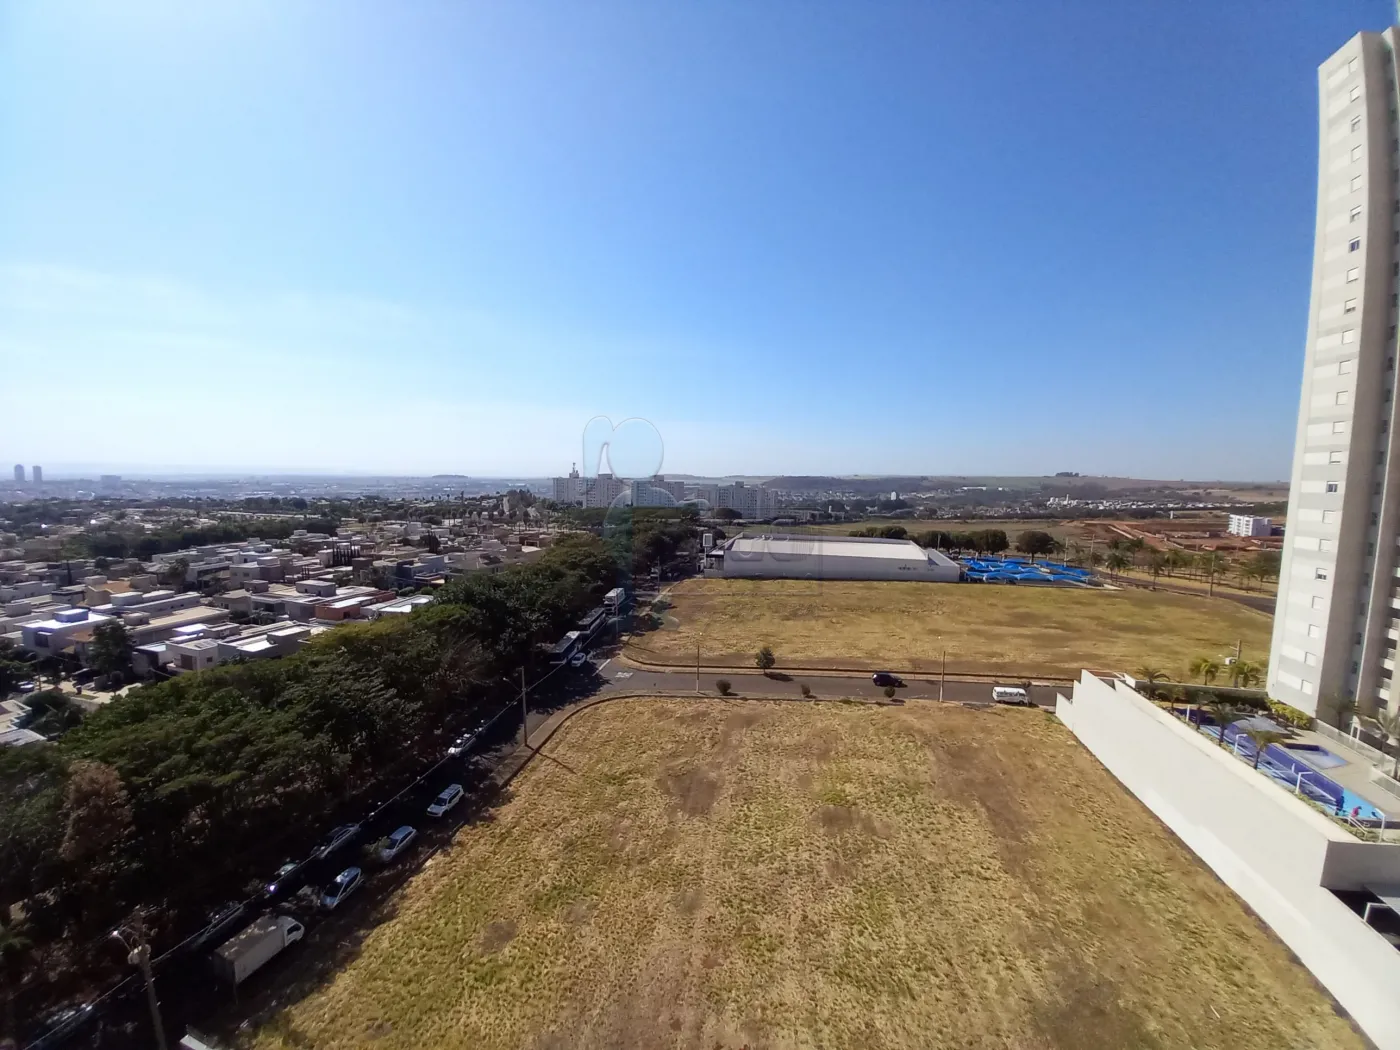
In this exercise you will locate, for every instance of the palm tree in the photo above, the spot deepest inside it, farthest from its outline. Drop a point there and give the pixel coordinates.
(1223, 712)
(1206, 668)
(1134, 547)
(1156, 564)
(1341, 707)
(1177, 560)
(1150, 675)
(1117, 561)
(1389, 721)
(1244, 674)
(1262, 738)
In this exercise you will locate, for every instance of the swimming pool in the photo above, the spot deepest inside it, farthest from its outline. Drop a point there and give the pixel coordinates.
(1315, 756)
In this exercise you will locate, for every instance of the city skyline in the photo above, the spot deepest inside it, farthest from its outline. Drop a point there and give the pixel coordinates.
(860, 255)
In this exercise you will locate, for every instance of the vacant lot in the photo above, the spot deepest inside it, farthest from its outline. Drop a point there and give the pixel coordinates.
(1011, 630)
(726, 874)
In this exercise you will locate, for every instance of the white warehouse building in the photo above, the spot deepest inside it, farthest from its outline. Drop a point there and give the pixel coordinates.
(797, 557)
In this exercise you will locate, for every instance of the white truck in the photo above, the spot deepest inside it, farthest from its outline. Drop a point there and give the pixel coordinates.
(247, 951)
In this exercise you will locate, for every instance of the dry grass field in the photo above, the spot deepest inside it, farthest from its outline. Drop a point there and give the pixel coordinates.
(712, 874)
(986, 629)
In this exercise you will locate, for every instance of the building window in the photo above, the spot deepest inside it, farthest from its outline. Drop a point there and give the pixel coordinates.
(1343, 396)
(1355, 182)
(1349, 336)
(1349, 307)
(1351, 65)
(1310, 659)
(1354, 274)
(1329, 517)
(1334, 457)
(1319, 573)
(1356, 214)
(1333, 486)
(1355, 123)
(1318, 603)
(1354, 245)
(1355, 93)
(1314, 631)
(1356, 153)
(1344, 367)
(1325, 546)
(1339, 427)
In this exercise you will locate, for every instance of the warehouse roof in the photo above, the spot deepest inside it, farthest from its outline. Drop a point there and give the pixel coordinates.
(786, 545)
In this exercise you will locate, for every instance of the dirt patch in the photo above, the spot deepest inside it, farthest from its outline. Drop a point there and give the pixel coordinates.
(694, 790)
(836, 820)
(498, 935)
(580, 912)
(689, 899)
(968, 774)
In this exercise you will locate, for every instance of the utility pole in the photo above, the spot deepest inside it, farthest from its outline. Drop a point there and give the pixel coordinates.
(697, 665)
(524, 712)
(139, 955)
(943, 673)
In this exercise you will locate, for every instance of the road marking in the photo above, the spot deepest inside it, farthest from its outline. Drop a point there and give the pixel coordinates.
(605, 663)
(623, 674)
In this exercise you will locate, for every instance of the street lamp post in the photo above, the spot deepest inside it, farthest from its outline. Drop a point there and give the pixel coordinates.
(524, 712)
(138, 953)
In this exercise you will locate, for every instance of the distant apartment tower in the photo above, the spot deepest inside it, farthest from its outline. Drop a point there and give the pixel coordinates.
(19, 473)
(1335, 624)
(1249, 525)
(588, 492)
(37, 473)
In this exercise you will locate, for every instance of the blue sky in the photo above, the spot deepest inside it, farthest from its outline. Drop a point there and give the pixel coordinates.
(799, 237)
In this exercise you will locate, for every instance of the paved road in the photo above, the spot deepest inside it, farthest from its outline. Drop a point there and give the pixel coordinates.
(620, 678)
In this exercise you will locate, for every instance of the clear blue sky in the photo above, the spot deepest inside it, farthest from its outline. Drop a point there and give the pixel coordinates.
(800, 237)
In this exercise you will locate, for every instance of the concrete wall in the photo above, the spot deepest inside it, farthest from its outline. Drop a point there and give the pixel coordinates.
(1272, 849)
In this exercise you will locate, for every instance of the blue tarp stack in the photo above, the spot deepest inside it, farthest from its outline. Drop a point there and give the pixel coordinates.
(1017, 570)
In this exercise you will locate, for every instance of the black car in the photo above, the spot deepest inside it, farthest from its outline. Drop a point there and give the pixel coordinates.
(338, 837)
(283, 880)
(222, 922)
(885, 678)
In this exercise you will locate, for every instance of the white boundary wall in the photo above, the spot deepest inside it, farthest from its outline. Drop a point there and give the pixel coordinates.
(1271, 848)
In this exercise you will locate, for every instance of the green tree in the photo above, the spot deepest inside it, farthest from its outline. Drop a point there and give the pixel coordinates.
(14, 951)
(1034, 542)
(432, 543)
(1206, 668)
(1156, 565)
(1117, 561)
(727, 514)
(722, 684)
(1244, 674)
(1261, 739)
(1222, 711)
(174, 573)
(1151, 675)
(109, 652)
(765, 659)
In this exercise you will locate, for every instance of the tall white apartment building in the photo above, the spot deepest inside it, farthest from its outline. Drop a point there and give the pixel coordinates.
(1335, 625)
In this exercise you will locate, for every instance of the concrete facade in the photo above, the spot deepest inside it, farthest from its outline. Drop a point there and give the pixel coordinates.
(1282, 857)
(1335, 626)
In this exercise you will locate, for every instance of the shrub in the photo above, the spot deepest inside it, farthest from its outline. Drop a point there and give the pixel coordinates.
(1291, 715)
(889, 692)
(765, 659)
(806, 691)
(723, 686)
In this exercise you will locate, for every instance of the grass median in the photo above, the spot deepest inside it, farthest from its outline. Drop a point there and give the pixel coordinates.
(986, 629)
(729, 874)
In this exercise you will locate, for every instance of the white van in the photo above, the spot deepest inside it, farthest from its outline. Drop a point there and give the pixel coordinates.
(1010, 694)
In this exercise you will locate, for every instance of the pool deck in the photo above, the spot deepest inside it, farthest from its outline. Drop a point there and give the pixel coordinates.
(1354, 773)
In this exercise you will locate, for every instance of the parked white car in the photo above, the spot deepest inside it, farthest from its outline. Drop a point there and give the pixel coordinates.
(397, 842)
(344, 884)
(450, 796)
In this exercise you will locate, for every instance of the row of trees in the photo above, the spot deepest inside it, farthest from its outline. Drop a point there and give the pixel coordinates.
(117, 542)
(1122, 555)
(206, 780)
